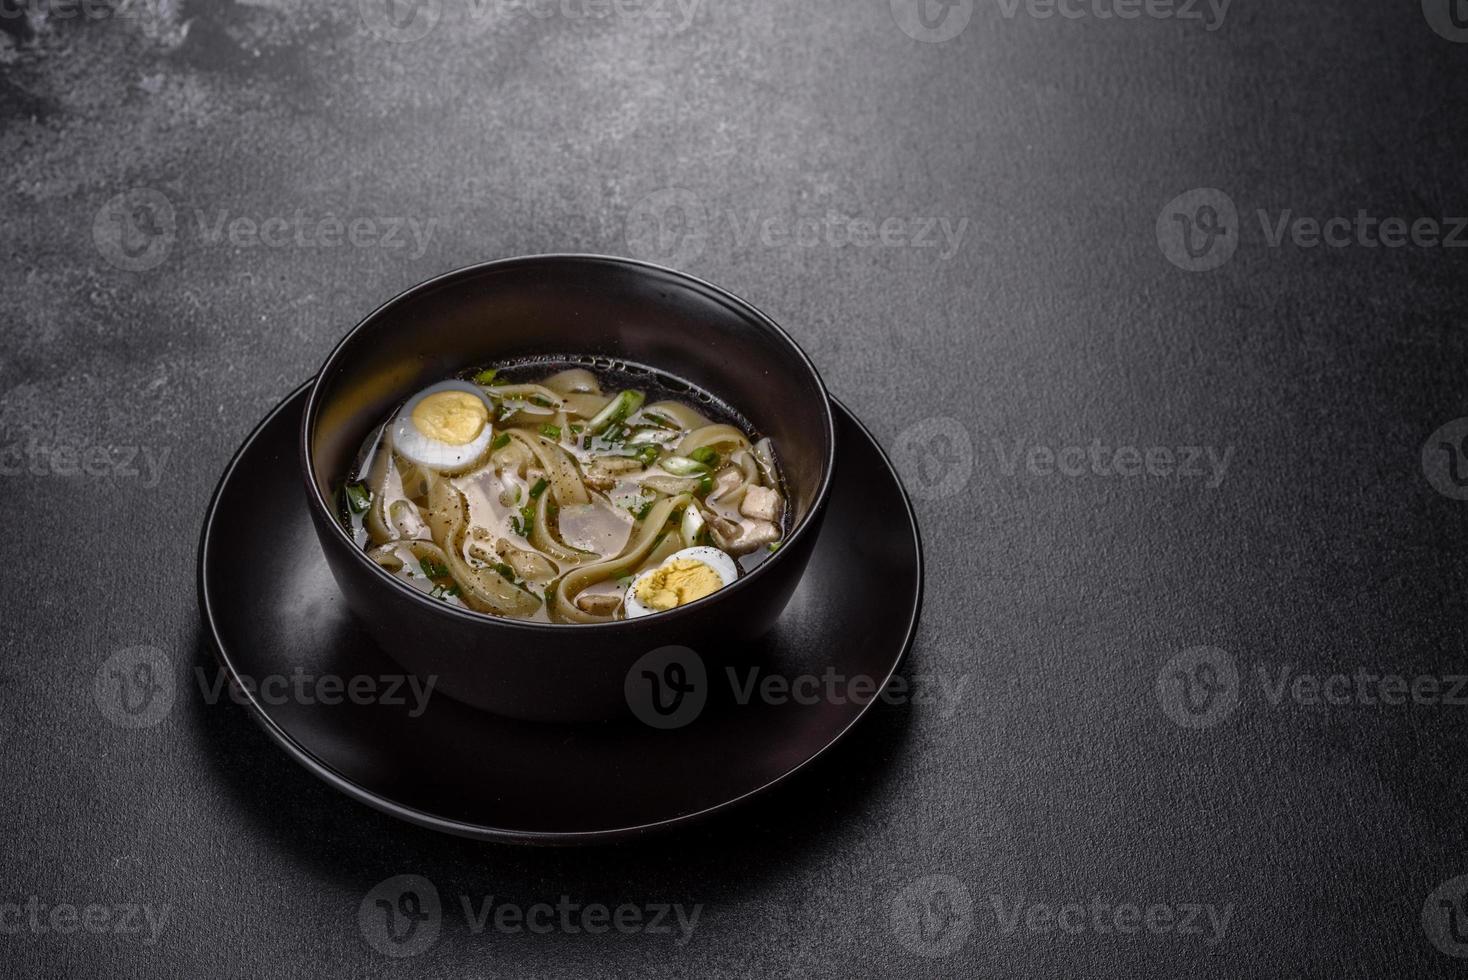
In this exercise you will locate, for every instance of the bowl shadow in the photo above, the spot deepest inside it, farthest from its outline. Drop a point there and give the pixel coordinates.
(716, 860)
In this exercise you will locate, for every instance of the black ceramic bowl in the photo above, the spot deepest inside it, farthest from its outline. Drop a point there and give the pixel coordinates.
(564, 305)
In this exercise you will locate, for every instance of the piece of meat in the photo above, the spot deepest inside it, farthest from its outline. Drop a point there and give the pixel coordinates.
(725, 480)
(761, 503)
(744, 537)
(598, 603)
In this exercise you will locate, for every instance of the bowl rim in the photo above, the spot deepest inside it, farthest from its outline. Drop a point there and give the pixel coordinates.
(321, 507)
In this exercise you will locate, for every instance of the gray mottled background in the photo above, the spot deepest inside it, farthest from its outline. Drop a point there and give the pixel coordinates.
(1026, 286)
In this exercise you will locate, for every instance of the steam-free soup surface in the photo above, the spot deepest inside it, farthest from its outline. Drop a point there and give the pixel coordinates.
(558, 493)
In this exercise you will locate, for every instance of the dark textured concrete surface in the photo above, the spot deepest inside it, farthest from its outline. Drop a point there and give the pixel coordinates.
(1016, 293)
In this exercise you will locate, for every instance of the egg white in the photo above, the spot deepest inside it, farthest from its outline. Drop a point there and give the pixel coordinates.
(430, 453)
(720, 562)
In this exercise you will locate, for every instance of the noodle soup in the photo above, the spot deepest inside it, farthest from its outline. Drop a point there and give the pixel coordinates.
(566, 492)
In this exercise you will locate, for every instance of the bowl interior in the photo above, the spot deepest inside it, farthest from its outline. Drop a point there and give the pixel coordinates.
(575, 305)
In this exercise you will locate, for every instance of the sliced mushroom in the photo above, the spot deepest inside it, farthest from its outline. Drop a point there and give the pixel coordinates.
(598, 603)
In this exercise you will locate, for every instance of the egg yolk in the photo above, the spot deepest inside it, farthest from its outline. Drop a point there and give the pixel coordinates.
(451, 417)
(677, 583)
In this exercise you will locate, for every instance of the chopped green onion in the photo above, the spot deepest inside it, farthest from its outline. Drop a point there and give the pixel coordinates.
(538, 489)
(359, 498)
(616, 410)
(508, 410)
(661, 421)
(551, 431)
(648, 455)
(641, 510)
(433, 569)
(774, 545)
(506, 572)
(439, 592)
(486, 377)
(704, 455)
(576, 429)
(705, 484)
(683, 466)
(500, 442)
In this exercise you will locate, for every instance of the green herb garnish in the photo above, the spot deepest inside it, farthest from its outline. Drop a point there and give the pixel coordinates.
(538, 489)
(486, 377)
(500, 442)
(648, 455)
(433, 569)
(705, 455)
(616, 410)
(358, 497)
(551, 431)
(705, 485)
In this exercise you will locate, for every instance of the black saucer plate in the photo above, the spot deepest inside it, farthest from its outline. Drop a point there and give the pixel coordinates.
(273, 611)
